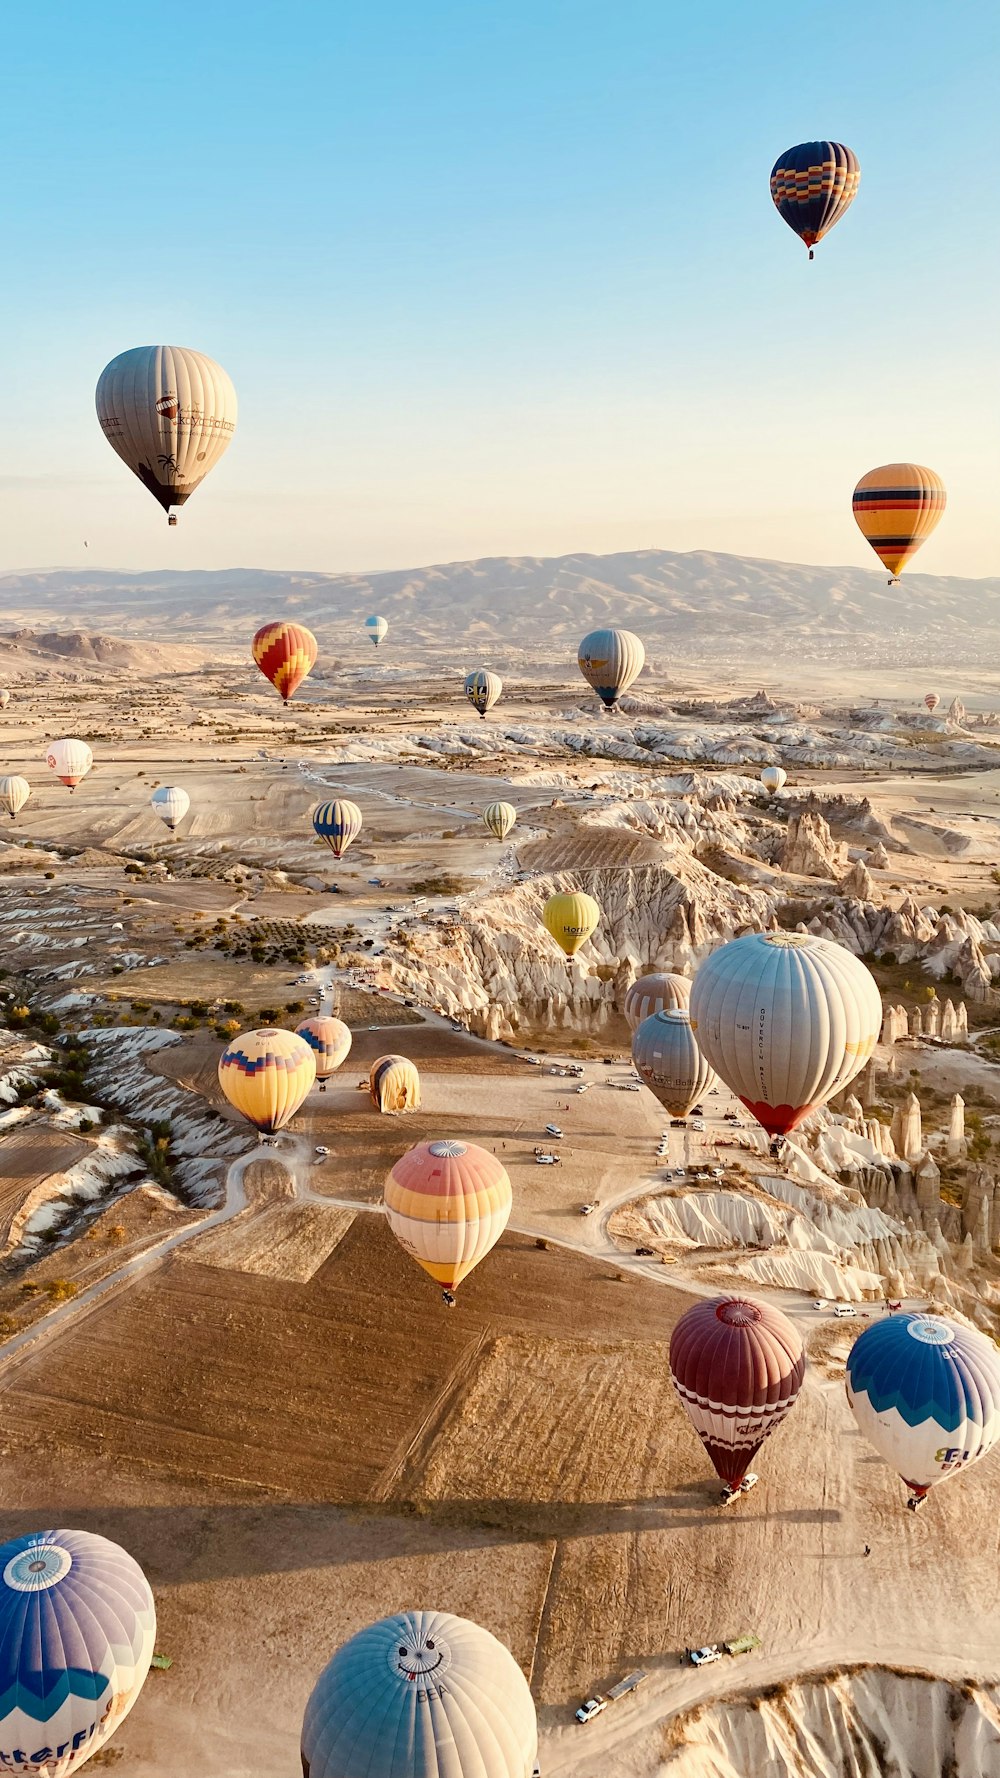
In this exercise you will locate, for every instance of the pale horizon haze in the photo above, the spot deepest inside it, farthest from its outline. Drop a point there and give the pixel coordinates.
(500, 280)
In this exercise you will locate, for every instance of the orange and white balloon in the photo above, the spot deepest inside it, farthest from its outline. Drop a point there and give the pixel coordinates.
(448, 1203)
(70, 759)
(330, 1041)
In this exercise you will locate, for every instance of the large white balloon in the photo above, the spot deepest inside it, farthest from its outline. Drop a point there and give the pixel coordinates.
(70, 759)
(423, 1694)
(14, 793)
(668, 1061)
(773, 778)
(611, 661)
(171, 803)
(170, 413)
(4, 699)
(786, 1020)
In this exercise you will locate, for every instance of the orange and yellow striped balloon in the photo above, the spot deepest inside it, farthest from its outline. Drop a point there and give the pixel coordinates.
(285, 653)
(266, 1075)
(896, 508)
(448, 1203)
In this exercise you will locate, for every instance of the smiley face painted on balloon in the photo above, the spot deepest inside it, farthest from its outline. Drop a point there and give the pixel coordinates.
(420, 1661)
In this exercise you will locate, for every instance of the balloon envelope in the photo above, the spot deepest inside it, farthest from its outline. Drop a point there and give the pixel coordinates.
(14, 793)
(70, 759)
(394, 1084)
(500, 818)
(660, 992)
(4, 699)
(896, 508)
(77, 1632)
(171, 804)
(266, 1075)
(668, 1061)
(448, 1203)
(926, 1393)
(423, 1694)
(285, 653)
(330, 1042)
(378, 629)
(785, 1020)
(813, 185)
(737, 1366)
(932, 701)
(483, 689)
(571, 919)
(773, 778)
(338, 823)
(170, 413)
(611, 661)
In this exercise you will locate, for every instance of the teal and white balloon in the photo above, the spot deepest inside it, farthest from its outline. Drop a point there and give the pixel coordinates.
(378, 628)
(423, 1694)
(500, 818)
(171, 803)
(668, 1061)
(483, 689)
(611, 661)
(77, 1633)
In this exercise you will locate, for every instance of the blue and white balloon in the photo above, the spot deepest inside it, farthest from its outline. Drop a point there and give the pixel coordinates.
(378, 628)
(77, 1630)
(926, 1393)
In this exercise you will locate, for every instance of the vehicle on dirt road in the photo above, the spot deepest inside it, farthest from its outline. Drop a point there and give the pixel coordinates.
(594, 1706)
(703, 1657)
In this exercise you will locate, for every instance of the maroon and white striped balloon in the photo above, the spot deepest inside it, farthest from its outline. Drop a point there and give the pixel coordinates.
(737, 1366)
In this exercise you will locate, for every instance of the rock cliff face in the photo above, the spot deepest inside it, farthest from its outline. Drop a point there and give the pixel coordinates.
(810, 849)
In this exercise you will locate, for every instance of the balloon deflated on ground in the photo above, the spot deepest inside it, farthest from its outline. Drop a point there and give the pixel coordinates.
(330, 1041)
(786, 1020)
(668, 1061)
(285, 654)
(926, 1394)
(266, 1075)
(448, 1203)
(77, 1633)
(423, 1694)
(571, 920)
(70, 759)
(394, 1084)
(737, 1366)
(662, 992)
(170, 413)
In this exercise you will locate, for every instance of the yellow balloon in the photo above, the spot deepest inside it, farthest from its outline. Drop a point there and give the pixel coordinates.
(500, 818)
(266, 1075)
(394, 1084)
(571, 919)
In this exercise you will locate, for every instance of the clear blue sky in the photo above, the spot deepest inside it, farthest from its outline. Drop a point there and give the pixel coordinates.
(500, 276)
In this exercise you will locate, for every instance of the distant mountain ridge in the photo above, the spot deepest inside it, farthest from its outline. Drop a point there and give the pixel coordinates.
(699, 598)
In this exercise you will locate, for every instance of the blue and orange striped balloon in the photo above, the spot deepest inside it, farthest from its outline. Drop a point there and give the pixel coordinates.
(813, 185)
(285, 653)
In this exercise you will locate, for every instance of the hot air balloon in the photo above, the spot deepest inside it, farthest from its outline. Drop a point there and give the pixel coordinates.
(812, 186)
(170, 414)
(773, 779)
(926, 1393)
(394, 1084)
(896, 509)
(656, 993)
(483, 689)
(378, 628)
(423, 1694)
(571, 919)
(266, 1075)
(285, 654)
(4, 699)
(611, 661)
(330, 1042)
(932, 701)
(737, 1366)
(71, 760)
(668, 1061)
(171, 804)
(14, 793)
(500, 818)
(785, 1020)
(338, 823)
(77, 1632)
(448, 1203)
